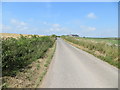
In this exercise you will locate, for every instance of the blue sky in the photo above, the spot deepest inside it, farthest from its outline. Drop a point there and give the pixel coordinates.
(91, 19)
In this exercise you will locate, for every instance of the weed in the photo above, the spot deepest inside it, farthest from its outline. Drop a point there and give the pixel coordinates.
(38, 66)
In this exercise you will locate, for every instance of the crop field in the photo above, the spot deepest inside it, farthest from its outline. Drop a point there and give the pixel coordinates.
(7, 35)
(103, 48)
(109, 41)
(20, 52)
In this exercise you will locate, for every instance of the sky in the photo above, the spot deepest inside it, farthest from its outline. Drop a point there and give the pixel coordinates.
(89, 19)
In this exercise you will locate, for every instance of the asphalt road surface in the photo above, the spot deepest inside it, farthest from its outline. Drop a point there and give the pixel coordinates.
(74, 68)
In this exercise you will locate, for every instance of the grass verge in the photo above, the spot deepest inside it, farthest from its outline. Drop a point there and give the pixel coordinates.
(46, 65)
(101, 50)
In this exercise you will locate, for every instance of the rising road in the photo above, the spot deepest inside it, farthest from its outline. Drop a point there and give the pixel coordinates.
(74, 68)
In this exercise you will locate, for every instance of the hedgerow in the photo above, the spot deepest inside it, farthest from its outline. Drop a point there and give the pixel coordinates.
(17, 53)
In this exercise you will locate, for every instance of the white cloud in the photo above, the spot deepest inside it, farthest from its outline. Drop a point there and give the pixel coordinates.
(87, 28)
(56, 28)
(56, 25)
(13, 21)
(24, 28)
(19, 25)
(5, 27)
(82, 27)
(91, 15)
(45, 23)
(91, 28)
(23, 23)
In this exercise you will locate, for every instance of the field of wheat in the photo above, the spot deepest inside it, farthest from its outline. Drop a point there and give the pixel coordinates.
(14, 35)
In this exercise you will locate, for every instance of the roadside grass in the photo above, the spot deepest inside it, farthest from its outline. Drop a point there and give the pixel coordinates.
(38, 66)
(46, 64)
(24, 59)
(100, 49)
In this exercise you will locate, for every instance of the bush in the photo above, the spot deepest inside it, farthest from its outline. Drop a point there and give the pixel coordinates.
(18, 53)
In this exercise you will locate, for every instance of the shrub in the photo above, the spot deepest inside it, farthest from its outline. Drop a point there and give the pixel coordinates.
(18, 53)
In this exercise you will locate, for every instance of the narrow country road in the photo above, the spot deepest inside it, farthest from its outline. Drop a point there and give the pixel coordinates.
(74, 68)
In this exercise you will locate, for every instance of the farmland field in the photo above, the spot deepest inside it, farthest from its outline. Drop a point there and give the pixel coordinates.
(6, 35)
(109, 41)
(106, 40)
(103, 48)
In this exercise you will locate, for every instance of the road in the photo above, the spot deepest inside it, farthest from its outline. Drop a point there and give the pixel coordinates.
(74, 68)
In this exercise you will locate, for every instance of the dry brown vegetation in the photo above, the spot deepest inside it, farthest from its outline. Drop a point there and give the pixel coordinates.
(6, 35)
